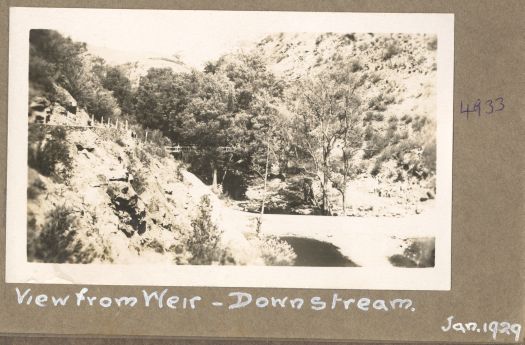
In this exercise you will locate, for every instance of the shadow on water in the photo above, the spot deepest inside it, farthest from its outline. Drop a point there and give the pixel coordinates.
(312, 252)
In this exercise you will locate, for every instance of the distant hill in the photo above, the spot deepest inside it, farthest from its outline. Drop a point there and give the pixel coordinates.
(137, 64)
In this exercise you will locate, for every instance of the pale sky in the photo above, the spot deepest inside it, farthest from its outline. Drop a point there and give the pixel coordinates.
(199, 36)
(196, 36)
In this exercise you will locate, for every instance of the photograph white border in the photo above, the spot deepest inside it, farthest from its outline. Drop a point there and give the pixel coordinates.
(18, 270)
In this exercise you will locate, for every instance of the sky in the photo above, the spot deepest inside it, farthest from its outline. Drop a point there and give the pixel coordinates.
(200, 36)
(196, 37)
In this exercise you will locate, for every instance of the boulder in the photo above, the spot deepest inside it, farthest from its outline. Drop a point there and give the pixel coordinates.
(84, 140)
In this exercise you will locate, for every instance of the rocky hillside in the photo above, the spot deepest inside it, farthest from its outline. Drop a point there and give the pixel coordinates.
(136, 69)
(98, 193)
(403, 65)
(135, 65)
(395, 168)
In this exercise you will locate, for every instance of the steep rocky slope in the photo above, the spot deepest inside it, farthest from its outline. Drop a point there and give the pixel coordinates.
(401, 67)
(396, 166)
(98, 193)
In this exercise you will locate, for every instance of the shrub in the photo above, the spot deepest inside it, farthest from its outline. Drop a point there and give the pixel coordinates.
(155, 150)
(396, 138)
(155, 245)
(376, 169)
(390, 51)
(32, 232)
(275, 252)
(376, 104)
(138, 182)
(376, 144)
(380, 102)
(179, 170)
(35, 188)
(389, 100)
(369, 132)
(157, 138)
(45, 152)
(57, 243)
(141, 154)
(399, 260)
(379, 117)
(363, 46)
(392, 128)
(204, 241)
(350, 37)
(418, 123)
(355, 66)
(432, 44)
(374, 78)
(429, 156)
(419, 252)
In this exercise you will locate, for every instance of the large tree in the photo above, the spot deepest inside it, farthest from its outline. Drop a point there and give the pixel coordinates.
(116, 81)
(327, 109)
(57, 60)
(161, 97)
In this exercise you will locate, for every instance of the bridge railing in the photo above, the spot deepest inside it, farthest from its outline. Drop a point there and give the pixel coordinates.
(194, 148)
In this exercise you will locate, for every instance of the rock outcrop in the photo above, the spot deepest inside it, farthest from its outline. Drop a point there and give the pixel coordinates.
(39, 110)
(128, 207)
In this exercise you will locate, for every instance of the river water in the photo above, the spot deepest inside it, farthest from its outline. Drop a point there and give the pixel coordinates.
(312, 252)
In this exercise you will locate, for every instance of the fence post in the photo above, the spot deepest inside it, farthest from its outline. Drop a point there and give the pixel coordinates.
(102, 121)
(117, 124)
(92, 120)
(146, 139)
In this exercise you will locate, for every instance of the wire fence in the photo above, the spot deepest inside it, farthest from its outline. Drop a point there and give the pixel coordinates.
(125, 128)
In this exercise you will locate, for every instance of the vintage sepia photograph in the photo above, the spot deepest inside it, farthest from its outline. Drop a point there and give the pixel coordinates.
(266, 148)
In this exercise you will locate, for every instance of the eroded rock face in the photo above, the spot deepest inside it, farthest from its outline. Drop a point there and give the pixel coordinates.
(69, 103)
(128, 207)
